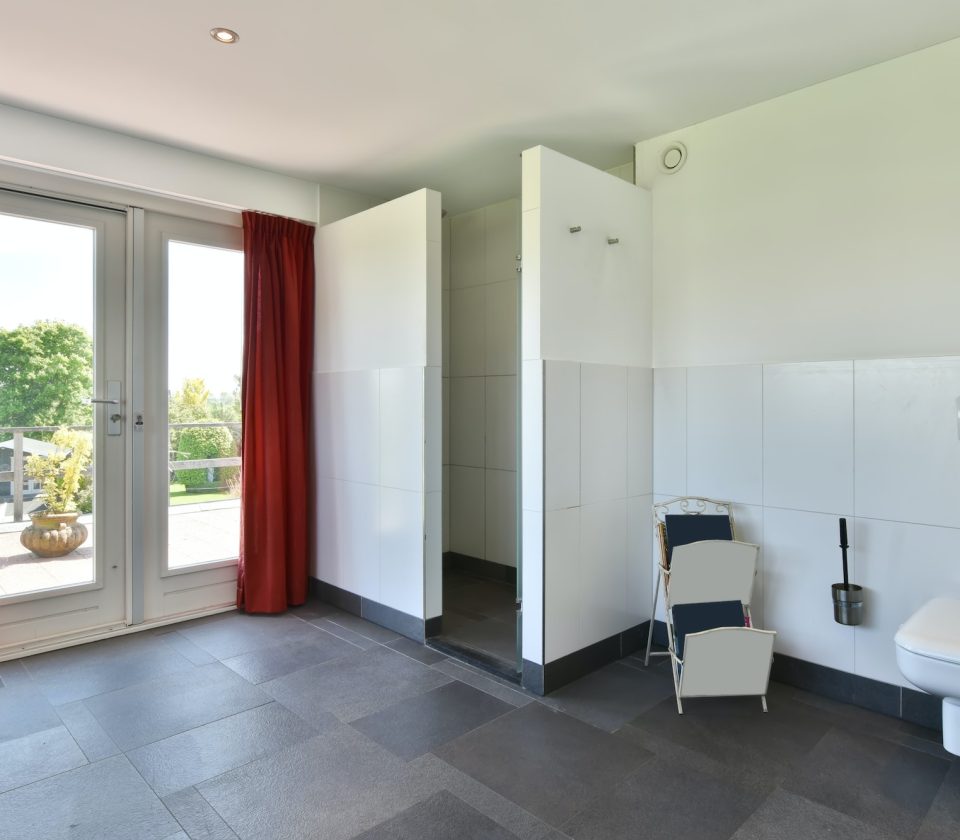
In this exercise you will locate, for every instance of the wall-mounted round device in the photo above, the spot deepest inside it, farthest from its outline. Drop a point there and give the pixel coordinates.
(673, 157)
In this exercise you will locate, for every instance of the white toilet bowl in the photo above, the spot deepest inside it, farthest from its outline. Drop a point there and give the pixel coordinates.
(928, 653)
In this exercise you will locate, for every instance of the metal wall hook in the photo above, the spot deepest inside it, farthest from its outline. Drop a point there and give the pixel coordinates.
(611, 240)
(576, 229)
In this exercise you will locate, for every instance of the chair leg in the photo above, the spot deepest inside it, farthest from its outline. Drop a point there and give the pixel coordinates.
(763, 700)
(653, 618)
(679, 705)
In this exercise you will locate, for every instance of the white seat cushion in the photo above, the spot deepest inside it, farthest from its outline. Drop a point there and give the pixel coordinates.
(933, 630)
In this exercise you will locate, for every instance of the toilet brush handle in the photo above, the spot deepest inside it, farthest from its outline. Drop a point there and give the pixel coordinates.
(843, 549)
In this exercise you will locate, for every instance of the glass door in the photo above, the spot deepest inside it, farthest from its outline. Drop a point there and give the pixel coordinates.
(192, 357)
(63, 420)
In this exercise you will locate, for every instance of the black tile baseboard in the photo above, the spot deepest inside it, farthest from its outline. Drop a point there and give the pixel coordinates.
(393, 619)
(486, 569)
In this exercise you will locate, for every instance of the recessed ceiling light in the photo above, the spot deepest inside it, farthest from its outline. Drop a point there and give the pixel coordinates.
(223, 35)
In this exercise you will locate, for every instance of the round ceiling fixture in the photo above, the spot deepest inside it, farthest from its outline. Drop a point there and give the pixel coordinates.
(222, 35)
(673, 157)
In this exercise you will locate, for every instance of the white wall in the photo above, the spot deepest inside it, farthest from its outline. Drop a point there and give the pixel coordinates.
(586, 405)
(804, 258)
(482, 307)
(795, 447)
(74, 149)
(378, 404)
(819, 225)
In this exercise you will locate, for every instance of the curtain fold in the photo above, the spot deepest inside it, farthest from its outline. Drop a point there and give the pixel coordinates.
(276, 409)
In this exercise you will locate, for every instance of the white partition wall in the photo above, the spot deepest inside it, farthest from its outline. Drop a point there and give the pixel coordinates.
(377, 427)
(586, 409)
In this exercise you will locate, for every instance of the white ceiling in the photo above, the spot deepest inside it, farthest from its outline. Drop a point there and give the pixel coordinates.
(386, 96)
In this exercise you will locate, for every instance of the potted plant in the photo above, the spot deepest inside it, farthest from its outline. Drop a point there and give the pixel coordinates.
(54, 530)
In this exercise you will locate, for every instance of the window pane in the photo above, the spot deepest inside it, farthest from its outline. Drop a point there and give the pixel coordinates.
(205, 298)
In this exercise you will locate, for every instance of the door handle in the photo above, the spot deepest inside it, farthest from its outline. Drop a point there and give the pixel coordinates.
(94, 401)
(114, 395)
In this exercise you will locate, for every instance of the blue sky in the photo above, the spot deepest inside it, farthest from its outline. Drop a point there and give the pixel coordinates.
(46, 273)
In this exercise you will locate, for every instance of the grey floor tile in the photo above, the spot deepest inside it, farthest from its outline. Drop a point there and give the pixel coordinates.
(197, 817)
(501, 810)
(24, 710)
(180, 835)
(419, 724)
(737, 733)
(103, 801)
(545, 761)
(233, 634)
(417, 651)
(354, 686)
(439, 817)
(12, 672)
(333, 786)
(612, 696)
(164, 706)
(942, 821)
(86, 730)
(87, 670)
(207, 751)
(314, 609)
(790, 816)
(511, 694)
(496, 637)
(345, 633)
(37, 756)
(269, 663)
(663, 801)
(873, 780)
(182, 645)
(364, 628)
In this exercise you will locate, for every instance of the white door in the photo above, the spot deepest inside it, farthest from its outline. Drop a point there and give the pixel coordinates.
(62, 344)
(190, 346)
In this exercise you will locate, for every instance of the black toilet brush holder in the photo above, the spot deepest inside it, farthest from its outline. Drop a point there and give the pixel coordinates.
(847, 597)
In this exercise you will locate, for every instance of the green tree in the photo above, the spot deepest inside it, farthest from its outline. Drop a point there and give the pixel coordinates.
(205, 442)
(46, 375)
(189, 404)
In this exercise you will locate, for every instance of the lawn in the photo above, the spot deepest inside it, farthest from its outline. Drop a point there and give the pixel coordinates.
(180, 496)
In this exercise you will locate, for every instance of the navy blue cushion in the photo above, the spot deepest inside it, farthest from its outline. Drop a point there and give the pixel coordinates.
(683, 529)
(694, 618)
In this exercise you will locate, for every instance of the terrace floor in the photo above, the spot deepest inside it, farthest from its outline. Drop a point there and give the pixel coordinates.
(197, 534)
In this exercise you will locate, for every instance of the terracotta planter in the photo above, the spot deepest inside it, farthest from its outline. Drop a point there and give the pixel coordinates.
(53, 534)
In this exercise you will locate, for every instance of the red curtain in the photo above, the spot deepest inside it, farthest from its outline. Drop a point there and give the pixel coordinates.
(277, 361)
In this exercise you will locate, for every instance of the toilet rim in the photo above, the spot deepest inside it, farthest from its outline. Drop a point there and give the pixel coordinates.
(924, 654)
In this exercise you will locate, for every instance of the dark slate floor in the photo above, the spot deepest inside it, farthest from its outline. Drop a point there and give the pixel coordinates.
(317, 724)
(480, 615)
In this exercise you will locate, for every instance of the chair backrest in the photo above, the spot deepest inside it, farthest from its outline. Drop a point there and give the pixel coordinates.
(713, 570)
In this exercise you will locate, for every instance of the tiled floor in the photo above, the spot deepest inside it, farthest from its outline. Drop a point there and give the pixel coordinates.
(480, 615)
(317, 724)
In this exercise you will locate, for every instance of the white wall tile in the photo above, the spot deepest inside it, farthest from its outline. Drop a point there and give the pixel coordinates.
(402, 428)
(467, 415)
(748, 527)
(446, 508)
(348, 425)
(467, 511)
(501, 422)
(502, 240)
(445, 251)
(670, 431)
(445, 310)
(467, 331)
(502, 328)
(531, 425)
(530, 347)
(639, 559)
(445, 386)
(348, 549)
(434, 329)
(402, 528)
(563, 597)
(603, 433)
(801, 561)
(433, 556)
(900, 567)
(467, 249)
(639, 431)
(500, 544)
(433, 430)
(603, 570)
(808, 436)
(561, 435)
(908, 452)
(725, 433)
(532, 575)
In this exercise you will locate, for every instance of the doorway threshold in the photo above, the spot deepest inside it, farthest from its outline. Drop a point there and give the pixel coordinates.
(477, 658)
